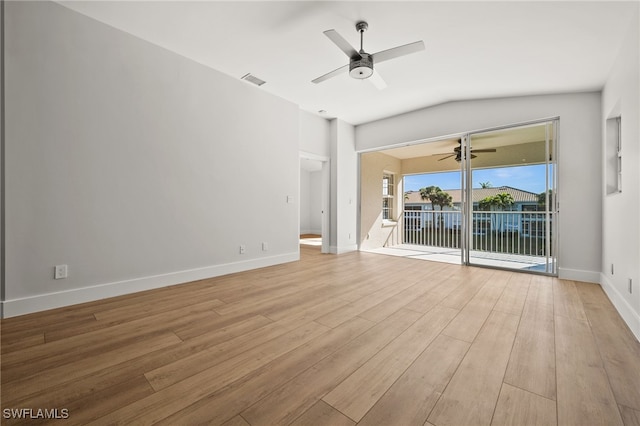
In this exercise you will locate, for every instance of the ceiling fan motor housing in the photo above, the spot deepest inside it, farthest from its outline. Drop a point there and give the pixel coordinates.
(362, 67)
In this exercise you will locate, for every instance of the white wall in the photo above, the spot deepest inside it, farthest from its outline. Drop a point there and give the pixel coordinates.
(135, 166)
(580, 165)
(374, 232)
(315, 134)
(305, 201)
(310, 202)
(315, 202)
(621, 212)
(315, 137)
(344, 187)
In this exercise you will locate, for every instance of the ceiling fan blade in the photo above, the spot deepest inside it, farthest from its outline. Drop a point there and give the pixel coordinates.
(448, 156)
(377, 81)
(484, 150)
(342, 44)
(395, 52)
(331, 74)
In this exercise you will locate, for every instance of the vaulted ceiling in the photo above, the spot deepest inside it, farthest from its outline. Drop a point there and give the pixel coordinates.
(473, 49)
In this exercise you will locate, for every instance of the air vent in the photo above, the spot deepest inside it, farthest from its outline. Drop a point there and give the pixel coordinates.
(253, 79)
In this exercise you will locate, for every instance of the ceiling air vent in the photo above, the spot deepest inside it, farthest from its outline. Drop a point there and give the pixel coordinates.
(253, 79)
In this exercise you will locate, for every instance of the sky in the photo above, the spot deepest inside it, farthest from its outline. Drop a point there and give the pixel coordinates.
(528, 178)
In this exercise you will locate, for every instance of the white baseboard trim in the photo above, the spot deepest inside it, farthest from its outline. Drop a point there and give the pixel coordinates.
(311, 231)
(631, 317)
(43, 302)
(343, 249)
(579, 275)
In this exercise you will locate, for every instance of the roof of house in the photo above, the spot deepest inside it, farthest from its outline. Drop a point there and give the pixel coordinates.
(413, 197)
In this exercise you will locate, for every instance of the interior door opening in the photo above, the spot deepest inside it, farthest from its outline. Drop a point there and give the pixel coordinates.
(315, 178)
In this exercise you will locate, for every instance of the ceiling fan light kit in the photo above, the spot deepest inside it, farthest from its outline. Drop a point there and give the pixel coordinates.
(361, 68)
(360, 62)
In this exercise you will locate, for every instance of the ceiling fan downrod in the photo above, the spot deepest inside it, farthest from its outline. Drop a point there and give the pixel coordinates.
(362, 67)
(362, 27)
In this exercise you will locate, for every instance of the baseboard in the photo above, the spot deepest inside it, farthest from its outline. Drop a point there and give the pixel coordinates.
(43, 302)
(579, 275)
(343, 249)
(631, 317)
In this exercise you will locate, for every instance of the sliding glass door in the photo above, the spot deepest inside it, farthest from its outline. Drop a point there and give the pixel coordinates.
(509, 181)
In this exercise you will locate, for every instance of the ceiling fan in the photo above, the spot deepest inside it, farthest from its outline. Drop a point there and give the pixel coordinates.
(457, 152)
(360, 64)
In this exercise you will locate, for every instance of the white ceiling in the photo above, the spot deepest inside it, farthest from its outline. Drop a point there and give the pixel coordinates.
(473, 49)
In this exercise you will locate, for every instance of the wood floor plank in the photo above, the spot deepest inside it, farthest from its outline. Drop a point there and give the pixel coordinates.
(225, 368)
(584, 394)
(514, 295)
(398, 301)
(460, 296)
(567, 302)
(236, 421)
(87, 409)
(294, 398)
(346, 312)
(22, 342)
(39, 358)
(219, 406)
(436, 295)
(383, 369)
(466, 325)
(177, 395)
(85, 387)
(619, 349)
(412, 397)
(630, 417)
(166, 304)
(322, 414)
(532, 365)
(166, 319)
(472, 393)
(68, 372)
(519, 407)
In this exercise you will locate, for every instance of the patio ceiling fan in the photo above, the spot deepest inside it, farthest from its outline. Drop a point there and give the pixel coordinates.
(360, 64)
(457, 152)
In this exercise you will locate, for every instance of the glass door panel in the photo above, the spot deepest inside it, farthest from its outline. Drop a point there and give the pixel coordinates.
(510, 177)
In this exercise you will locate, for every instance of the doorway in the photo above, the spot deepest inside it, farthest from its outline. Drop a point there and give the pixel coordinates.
(315, 175)
(485, 198)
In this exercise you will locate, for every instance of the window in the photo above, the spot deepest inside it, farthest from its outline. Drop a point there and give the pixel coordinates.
(387, 196)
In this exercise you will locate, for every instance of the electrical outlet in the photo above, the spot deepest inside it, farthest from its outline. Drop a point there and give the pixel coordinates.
(630, 285)
(243, 249)
(60, 272)
(265, 246)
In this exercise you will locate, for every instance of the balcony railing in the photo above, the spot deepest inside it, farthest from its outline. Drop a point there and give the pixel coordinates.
(508, 232)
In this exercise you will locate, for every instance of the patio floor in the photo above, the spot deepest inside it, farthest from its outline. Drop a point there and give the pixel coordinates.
(448, 255)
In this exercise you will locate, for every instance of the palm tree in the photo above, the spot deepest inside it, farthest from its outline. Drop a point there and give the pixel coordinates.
(442, 199)
(542, 199)
(485, 185)
(438, 197)
(496, 202)
(428, 193)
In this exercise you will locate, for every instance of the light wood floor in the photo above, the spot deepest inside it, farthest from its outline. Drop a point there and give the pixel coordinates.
(336, 340)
